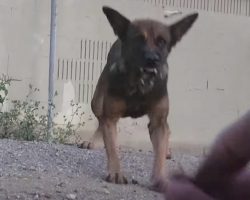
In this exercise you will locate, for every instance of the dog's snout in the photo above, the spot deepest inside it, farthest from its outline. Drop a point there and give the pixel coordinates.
(152, 58)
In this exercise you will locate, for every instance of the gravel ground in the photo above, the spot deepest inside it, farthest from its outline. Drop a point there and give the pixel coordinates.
(35, 170)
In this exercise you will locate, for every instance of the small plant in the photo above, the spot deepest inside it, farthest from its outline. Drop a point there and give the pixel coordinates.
(27, 120)
(62, 133)
(4, 83)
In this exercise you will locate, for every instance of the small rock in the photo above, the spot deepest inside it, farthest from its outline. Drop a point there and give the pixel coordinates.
(71, 196)
(62, 184)
(135, 182)
(106, 191)
(32, 168)
(48, 196)
(36, 196)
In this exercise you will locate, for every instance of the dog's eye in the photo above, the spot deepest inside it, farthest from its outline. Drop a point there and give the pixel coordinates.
(160, 42)
(140, 37)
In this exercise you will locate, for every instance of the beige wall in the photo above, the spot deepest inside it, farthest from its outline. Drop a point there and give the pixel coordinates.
(209, 70)
(209, 76)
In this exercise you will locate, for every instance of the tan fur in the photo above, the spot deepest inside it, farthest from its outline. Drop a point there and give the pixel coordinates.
(109, 111)
(159, 134)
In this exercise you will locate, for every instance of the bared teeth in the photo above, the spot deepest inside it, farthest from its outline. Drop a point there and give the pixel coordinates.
(161, 76)
(142, 82)
(151, 70)
(151, 83)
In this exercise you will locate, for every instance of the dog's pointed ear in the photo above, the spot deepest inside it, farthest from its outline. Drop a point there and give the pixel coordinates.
(181, 27)
(118, 22)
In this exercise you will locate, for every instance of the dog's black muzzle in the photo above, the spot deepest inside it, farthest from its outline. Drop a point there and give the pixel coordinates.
(152, 61)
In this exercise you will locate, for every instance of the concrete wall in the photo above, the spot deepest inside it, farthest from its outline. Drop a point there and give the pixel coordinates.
(209, 70)
(209, 76)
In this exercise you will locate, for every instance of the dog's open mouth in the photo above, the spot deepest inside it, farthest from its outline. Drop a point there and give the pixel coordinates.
(146, 81)
(149, 70)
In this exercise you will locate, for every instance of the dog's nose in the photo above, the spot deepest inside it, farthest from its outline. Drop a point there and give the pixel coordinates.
(152, 58)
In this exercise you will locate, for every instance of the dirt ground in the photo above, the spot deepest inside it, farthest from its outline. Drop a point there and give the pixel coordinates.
(36, 170)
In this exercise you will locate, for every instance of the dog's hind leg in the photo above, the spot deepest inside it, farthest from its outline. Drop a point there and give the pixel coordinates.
(91, 144)
(97, 108)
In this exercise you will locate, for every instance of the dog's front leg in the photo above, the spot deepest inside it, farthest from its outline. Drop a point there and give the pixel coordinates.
(110, 140)
(159, 135)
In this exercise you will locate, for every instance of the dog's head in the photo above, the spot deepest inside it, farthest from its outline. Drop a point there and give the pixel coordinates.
(146, 44)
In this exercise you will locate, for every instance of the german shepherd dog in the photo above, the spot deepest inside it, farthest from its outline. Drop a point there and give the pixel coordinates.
(134, 83)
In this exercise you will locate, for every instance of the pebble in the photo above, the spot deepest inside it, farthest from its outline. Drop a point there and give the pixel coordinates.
(71, 196)
(134, 182)
(36, 196)
(106, 191)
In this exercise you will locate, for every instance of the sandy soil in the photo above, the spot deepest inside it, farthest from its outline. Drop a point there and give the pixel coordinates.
(32, 170)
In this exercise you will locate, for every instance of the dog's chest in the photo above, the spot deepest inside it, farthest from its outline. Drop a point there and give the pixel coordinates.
(131, 83)
(136, 107)
(139, 97)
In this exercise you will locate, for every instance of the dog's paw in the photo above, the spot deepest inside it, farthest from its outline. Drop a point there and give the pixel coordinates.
(87, 145)
(169, 154)
(117, 178)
